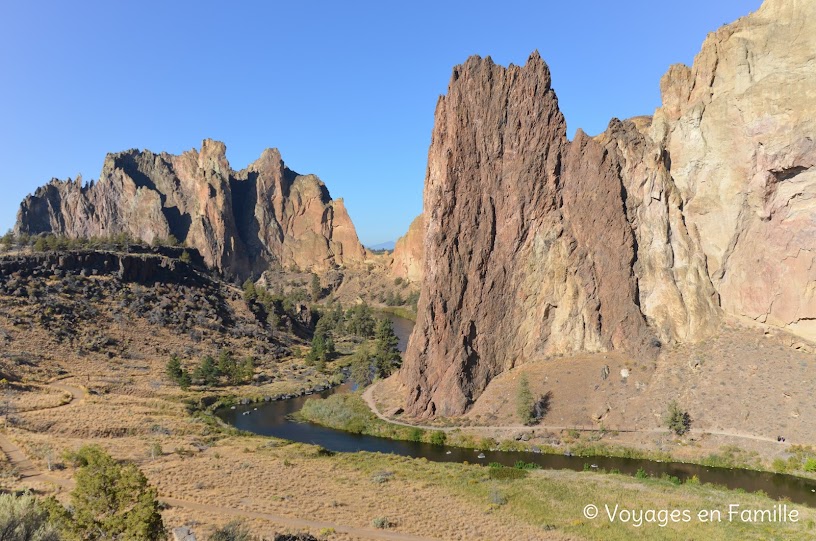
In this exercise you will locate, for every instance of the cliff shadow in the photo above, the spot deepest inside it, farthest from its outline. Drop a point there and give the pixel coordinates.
(178, 223)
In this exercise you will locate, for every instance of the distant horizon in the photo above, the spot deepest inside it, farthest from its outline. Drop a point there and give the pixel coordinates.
(347, 93)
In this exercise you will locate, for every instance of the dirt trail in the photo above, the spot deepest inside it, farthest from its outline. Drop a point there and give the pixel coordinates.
(29, 472)
(368, 397)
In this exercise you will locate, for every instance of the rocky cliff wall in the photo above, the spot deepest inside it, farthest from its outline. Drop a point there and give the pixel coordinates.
(649, 233)
(240, 221)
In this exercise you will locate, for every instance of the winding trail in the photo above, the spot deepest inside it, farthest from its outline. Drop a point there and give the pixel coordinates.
(368, 397)
(29, 473)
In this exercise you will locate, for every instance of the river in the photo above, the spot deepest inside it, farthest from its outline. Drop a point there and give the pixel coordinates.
(273, 419)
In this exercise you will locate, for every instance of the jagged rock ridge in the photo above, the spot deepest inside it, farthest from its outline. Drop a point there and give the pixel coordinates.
(240, 221)
(649, 233)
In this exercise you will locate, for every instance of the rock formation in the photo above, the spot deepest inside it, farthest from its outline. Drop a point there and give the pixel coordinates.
(240, 222)
(646, 234)
(409, 252)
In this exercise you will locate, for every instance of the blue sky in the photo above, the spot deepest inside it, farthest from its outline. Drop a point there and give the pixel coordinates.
(345, 90)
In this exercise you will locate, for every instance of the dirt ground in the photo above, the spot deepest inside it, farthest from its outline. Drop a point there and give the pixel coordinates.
(743, 387)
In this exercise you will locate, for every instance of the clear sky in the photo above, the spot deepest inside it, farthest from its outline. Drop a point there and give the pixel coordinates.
(346, 90)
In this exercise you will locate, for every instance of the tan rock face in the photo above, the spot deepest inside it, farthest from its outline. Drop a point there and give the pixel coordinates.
(241, 222)
(646, 234)
(409, 252)
(739, 127)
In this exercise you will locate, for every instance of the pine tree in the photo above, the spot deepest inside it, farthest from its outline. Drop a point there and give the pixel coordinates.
(174, 369)
(207, 372)
(250, 294)
(524, 401)
(361, 367)
(316, 290)
(387, 357)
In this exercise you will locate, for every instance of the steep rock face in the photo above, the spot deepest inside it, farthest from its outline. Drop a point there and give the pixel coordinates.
(409, 252)
(528, 250)
(739, 128)
(240, 222)
(676, 295)
(648, 233)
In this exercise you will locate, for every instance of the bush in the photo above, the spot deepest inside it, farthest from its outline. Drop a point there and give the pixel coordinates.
(234, 531)
(502, 473)
(496, 497)
(382, 523)
(110, 501)
(23, 518)
(438, 437)
(341, 411)
(677, 420)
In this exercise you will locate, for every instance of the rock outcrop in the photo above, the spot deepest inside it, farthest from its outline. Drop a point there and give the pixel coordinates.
(409, 252)
(240, 221)
(528, 250)
(739, 127)
(648, 233)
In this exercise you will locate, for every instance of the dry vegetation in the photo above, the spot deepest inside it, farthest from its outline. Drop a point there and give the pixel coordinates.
(742, 388)
(129, 407)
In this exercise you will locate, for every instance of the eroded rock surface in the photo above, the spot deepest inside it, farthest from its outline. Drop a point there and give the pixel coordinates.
(240, 221)
(409, 252)
(649, 233)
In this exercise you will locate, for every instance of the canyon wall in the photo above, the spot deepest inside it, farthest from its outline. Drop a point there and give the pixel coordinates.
(240, 221)
(647, 234)
(409, 252)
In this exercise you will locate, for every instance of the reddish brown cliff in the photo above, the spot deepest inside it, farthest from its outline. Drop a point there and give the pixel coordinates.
(240, 221)
(528, 249)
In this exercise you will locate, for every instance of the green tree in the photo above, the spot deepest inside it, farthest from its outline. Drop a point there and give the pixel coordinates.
(337, 316)
(250, 293)
(524, 401)
(272, 319)
(322, 350)
(111, 501)
(387, 357)
(174, 368)
(7, 240)
(185, 380)
(245, 370)
(227, 366)
(177, 373)
(207, 372)
(185, 257)
(361, 362)
(360, 322)
(24, 518)
(41, 244)
(315, 288)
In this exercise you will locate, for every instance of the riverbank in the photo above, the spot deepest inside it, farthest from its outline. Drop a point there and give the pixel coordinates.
(551, 501)
(351, 413)
(624, 402)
